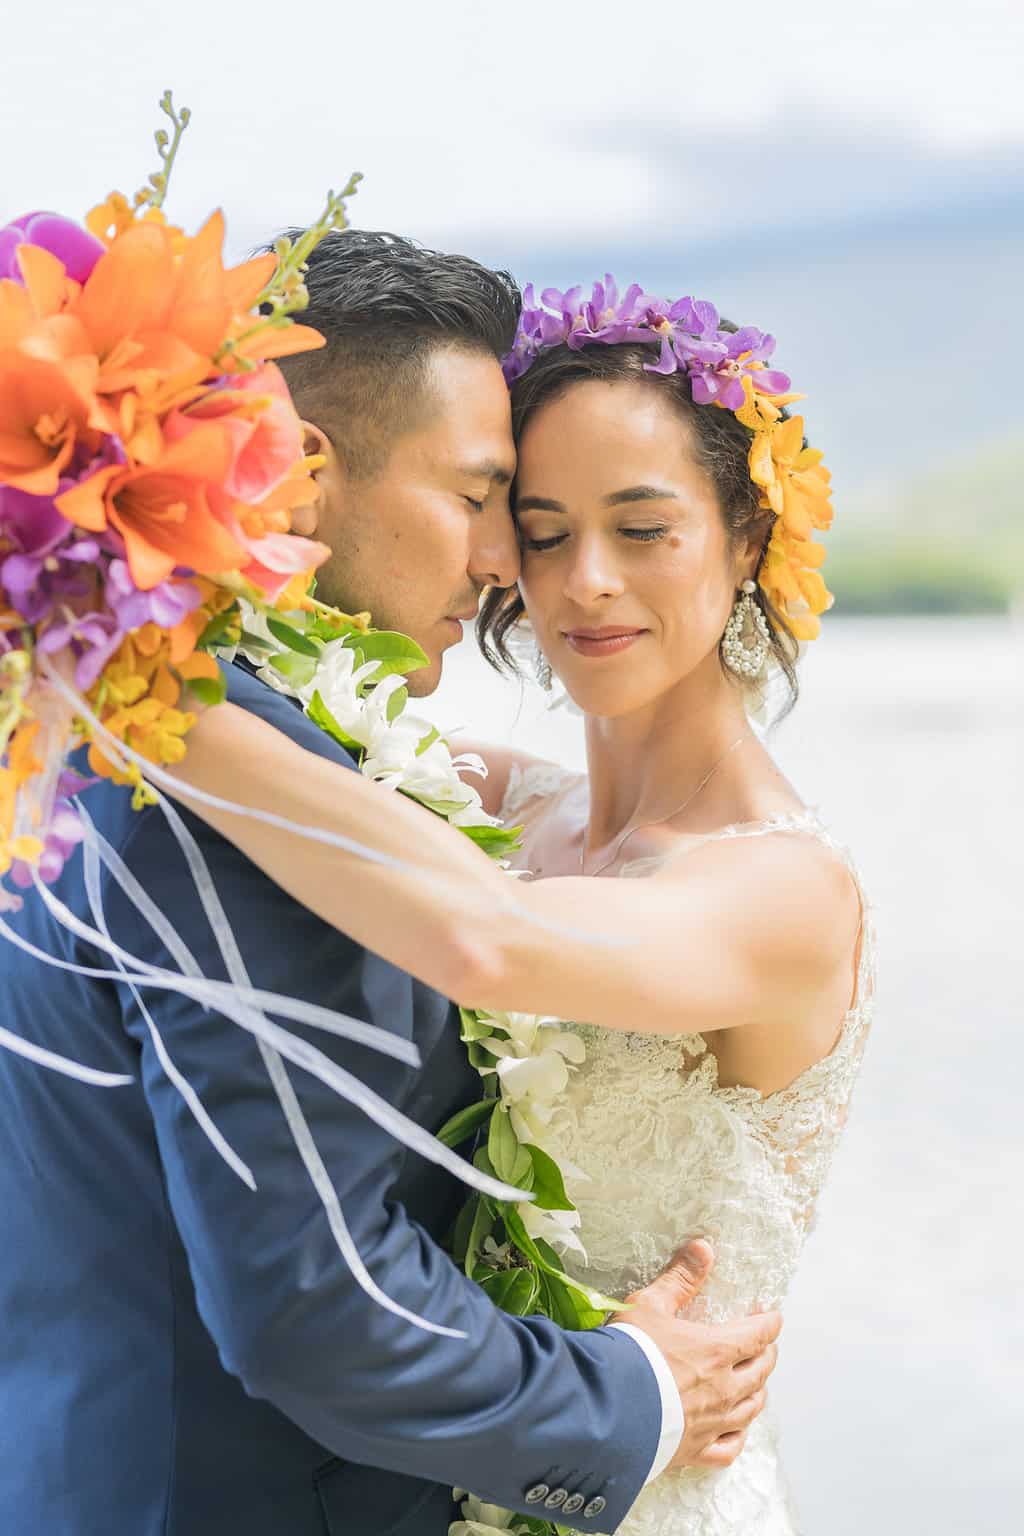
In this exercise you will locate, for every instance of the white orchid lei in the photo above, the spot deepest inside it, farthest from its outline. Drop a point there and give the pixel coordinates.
(350, 681)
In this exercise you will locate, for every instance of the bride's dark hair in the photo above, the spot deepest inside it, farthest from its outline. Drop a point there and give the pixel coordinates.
(722, 445)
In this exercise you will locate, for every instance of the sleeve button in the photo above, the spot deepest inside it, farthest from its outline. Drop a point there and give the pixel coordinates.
(537, 1494)
(573, 1504)
(556, 1498)
(594, 1508)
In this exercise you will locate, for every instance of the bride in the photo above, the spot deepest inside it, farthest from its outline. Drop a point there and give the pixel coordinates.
(681, 899)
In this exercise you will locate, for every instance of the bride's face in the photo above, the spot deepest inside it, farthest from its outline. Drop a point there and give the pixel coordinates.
(628, 574)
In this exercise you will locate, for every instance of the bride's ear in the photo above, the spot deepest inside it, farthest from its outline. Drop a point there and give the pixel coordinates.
(308, 520)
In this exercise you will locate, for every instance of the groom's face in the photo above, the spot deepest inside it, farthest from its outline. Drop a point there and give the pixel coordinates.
(418, 540)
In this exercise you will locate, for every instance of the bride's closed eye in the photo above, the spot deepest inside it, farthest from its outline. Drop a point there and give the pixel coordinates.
(638, 535)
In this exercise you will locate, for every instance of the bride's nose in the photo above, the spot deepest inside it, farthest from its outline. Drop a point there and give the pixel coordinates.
(592, 573)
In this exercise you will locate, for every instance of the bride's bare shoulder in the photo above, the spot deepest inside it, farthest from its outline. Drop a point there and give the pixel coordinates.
(787, 882)
(507, 770)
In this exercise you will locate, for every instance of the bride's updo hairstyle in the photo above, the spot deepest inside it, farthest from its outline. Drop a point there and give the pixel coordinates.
(770, 486)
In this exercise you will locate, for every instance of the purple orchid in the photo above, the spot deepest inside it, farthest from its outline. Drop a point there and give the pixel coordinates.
(69, 242)
(166, 605)
(72, 783)
(717, 375)
(688, 332)
(93, 639)
(62, 838)
(48, 563)
(31, 523)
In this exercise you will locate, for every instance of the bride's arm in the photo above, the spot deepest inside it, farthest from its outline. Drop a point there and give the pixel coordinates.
(738, 938)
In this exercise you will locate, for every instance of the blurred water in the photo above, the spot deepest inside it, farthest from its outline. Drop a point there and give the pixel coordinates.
(901, 1381)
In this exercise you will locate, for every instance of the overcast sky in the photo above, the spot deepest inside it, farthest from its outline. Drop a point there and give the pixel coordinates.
(532, 122)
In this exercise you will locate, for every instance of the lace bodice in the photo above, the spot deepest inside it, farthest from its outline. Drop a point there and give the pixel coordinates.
(659, 1151)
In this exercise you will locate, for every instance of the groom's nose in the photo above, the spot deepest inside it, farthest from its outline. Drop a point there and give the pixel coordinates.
(494, 554)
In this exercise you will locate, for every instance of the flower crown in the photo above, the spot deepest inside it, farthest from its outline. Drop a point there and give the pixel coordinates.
(726, 368)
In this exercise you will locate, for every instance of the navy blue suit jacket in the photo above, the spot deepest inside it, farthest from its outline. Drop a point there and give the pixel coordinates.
(180, 1356)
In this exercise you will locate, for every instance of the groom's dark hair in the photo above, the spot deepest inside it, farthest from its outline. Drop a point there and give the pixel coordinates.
(383, 305)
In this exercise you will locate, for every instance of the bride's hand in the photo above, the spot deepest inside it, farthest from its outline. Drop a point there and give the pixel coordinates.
(720, 1369)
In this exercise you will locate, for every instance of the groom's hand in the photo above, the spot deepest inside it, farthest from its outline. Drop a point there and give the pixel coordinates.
(720, 1368)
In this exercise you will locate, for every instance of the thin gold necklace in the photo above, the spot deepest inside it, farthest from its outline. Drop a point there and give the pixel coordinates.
(643, 825)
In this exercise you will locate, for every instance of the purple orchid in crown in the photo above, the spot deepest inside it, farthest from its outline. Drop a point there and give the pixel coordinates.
(688, 332)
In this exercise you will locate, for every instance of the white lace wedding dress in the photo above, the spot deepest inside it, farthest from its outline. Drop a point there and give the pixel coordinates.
(668, 1154)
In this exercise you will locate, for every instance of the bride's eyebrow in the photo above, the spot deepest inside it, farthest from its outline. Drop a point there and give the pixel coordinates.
(640, 493)
(632, 493)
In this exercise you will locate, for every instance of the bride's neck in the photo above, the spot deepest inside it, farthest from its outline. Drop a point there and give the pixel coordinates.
(642, 764)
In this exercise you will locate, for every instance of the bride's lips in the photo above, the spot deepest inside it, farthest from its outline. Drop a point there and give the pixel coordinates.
(607, 641)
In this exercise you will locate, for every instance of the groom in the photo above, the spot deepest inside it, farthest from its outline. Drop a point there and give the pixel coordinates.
(181, 1356)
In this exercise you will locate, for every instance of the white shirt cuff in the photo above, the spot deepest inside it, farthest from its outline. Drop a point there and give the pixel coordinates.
(672, 1423)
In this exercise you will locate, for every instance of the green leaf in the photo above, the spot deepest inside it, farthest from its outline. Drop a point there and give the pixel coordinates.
(322, 629)
(295, 669)
(393, 652)
(216, 627)
(560, 1304)
(546, 1259)
(462, 1229)
(473, 1027)
(428, 741)
(208, 690)
(293, 638)
(481, 1226)
(510, 1160)
(479, 1056)
(495, 841)
(513, 1290)
(321, 716)
(461, 1126)
(548, 1186)
(397, 702)
(250, 642)
(440, 807)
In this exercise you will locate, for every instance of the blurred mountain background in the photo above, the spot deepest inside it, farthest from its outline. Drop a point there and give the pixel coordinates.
(903, 328)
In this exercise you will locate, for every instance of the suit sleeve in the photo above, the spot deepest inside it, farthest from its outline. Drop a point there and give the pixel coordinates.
(517, 1404)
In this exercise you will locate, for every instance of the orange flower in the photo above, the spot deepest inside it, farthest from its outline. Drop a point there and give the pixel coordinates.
(791, 579)
(112, 218)
(163, 511)
(47, 403)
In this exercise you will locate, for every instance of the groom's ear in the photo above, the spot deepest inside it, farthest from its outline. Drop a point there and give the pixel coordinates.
(307, 521)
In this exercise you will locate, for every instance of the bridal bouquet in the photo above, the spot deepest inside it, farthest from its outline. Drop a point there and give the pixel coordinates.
(150, 456)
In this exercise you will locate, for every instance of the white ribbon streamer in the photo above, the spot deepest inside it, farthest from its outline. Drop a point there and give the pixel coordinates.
(44, 1058)
(94, 894)
(282, 1085)
(237, 1002)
